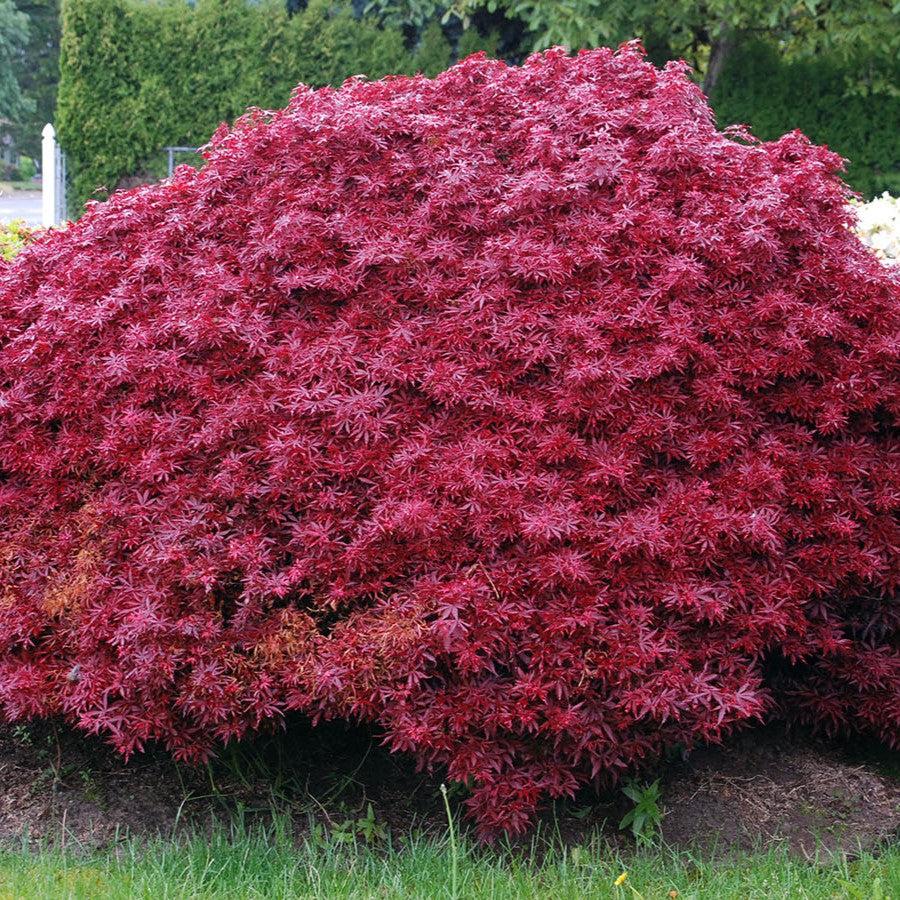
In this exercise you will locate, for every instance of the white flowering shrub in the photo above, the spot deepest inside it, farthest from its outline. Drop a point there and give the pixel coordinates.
(878, 224)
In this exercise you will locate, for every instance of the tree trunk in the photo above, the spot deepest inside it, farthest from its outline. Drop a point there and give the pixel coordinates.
(718, 53)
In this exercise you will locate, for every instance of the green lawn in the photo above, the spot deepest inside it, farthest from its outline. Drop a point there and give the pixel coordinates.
(268, 864)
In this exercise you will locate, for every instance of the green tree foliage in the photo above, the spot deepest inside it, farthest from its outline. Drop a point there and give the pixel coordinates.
(14, 105)
(706, 32)
(414, 13)
(37, 68)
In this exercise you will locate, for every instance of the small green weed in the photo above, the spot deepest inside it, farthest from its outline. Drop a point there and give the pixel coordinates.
(645, 817)
(365, 828)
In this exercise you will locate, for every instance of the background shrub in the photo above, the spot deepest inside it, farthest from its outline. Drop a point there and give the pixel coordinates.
(137, 76)
(519, 412)
(13, 237)
(773, 97)
(26, 170)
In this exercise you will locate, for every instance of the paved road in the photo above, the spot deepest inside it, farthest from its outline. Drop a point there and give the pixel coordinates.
(21, 205)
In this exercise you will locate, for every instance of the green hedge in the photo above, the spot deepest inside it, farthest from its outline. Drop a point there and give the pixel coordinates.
(772, 96)
(136, 76)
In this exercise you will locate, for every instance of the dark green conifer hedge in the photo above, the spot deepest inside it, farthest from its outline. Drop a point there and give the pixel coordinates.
(818, 97)
(138, 76)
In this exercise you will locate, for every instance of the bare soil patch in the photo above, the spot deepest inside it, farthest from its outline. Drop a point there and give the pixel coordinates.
(762, 788)
(765, 787)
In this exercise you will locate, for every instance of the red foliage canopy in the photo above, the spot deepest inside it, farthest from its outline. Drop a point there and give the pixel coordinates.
(518, 411)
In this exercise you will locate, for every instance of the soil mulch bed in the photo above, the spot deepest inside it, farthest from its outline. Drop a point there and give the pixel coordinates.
(765, 787)
(762, 788)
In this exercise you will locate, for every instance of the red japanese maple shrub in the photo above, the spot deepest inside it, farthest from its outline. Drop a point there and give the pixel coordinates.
(518, 411)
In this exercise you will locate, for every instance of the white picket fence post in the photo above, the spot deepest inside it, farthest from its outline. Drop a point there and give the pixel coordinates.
(48, 176)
